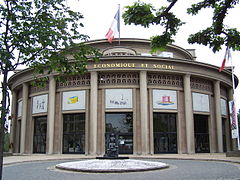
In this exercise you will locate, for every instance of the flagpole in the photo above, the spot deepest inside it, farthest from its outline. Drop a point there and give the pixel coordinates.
(119, 24)
(233, 83)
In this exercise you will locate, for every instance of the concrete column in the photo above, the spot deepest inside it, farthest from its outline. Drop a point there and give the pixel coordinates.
(24, 117)
(51, 113)
(144, 112)
(189, 115)
(217, 103)
(93, 114)
(13, 121)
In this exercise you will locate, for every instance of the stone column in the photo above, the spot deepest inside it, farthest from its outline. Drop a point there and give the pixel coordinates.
(144, 113)
(51, 113)
(13, 121)
(93, 114)
(24, 117)
(189, 115)
(217, 103)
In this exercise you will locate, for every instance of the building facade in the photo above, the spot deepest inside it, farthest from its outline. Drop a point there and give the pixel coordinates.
(165, 102)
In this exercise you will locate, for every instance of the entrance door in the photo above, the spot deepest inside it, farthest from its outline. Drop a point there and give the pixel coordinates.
(201, 134)
(74, 133)
(165, 133)
(121, 125)
(40, 131)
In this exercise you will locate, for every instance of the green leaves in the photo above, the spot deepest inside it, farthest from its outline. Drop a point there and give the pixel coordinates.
(139, 14)
(145, 14)
(216, 36)
(35, 31)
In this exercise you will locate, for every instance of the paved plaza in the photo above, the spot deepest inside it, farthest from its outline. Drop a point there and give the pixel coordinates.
(196, 166)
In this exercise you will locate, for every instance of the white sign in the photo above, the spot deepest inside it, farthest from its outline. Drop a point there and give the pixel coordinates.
(19, 112)
(233, 119)
(164, 99)
(200, 102)
(118, 98)
(223, 107)
(73, 100)
(40, 104)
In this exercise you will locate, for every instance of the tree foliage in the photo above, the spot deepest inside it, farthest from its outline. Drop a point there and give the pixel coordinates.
(39, 34)
(215, 36)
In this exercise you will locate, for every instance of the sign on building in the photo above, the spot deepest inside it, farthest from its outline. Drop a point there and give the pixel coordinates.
(233, 119)
(19, 111)
(118, 98)
(73, 100)
(164, 99)
(200, 102)
(223, 107)
(40, 104)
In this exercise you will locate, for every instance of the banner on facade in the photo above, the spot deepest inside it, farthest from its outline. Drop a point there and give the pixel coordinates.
(73, 100)
(233, 119)
(200, 102)
(164, 99)
(223, 107)
(118, 98)
(19, 112)
(40, 104)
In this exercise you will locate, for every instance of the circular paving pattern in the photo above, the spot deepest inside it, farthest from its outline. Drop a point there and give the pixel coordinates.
(127, 165)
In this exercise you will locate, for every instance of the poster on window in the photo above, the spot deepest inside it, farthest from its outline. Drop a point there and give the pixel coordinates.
(118, 98)
(233, 119)
(223, 107)
(40, 104)
(164, 99)
(73, 100)
(200, 102)
(19, 111)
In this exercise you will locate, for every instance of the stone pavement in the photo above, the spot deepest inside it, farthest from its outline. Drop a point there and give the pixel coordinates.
(16, 158)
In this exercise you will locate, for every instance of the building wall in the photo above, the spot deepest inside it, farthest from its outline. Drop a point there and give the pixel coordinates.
(125, 72)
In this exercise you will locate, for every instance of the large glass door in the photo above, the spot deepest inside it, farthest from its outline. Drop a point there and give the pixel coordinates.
(39, 137)
(74, 133)
(165, 133)
(201, 134)
(121, 125)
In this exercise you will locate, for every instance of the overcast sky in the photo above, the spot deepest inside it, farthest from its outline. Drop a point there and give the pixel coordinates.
(98, 16)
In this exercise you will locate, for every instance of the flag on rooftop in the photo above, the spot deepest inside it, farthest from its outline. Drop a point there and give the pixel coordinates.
(115, 27)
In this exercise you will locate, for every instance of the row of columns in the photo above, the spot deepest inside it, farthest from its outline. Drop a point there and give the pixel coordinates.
(145, 136)
(50, 121)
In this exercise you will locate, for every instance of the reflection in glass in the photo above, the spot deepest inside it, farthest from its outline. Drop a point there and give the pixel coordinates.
(74, 133)
(39, 138)
(165, 133)
(201, 134)
(121, 124)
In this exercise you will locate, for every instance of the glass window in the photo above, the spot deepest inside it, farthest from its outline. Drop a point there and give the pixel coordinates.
(201, 134)
(39, 138)
(121, 124)
(165, 132)
(74, 133)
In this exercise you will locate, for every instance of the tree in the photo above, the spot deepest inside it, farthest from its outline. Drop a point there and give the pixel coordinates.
(39, 33)
(216, 36)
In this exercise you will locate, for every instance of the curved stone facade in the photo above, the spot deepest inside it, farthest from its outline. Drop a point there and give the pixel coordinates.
(165, 102)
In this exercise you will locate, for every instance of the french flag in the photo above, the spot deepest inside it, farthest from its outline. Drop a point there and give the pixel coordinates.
(226, 57)
(115, 27)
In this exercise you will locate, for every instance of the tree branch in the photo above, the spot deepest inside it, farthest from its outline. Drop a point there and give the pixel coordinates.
(170, 6)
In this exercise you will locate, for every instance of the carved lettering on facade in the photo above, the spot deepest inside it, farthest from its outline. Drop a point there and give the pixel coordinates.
(132, 65)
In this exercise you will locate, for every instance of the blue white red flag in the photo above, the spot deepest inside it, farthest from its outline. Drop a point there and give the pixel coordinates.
(226, 57)
(115, 27)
